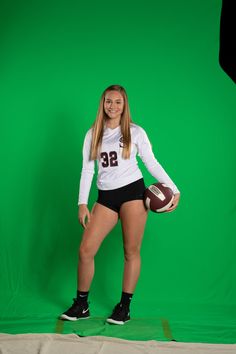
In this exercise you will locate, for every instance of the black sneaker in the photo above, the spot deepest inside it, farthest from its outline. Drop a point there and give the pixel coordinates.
(76, 312)
(120, 314)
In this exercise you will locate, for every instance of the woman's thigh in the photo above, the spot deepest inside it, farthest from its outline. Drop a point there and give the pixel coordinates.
(133, 217)
(102, 221)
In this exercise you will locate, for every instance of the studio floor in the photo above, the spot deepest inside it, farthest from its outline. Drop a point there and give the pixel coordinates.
(73, 344)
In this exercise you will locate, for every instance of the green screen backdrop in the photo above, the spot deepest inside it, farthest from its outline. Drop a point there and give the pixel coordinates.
(56, 60)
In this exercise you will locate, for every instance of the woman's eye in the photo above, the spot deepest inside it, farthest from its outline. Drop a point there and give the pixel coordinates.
(116, 102)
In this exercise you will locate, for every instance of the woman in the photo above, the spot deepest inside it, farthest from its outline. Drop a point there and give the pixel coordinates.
(114, 140)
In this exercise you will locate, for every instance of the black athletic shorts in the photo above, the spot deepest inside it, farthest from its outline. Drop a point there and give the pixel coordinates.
(113, 198)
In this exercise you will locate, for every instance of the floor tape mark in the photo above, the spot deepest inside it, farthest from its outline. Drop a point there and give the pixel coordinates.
(59, 327)
(166, 329)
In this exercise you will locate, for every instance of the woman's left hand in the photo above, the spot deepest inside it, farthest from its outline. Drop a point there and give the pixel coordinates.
(174, 203)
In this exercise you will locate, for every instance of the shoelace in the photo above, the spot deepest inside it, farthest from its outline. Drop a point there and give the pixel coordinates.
(121, 309)
(77, 304)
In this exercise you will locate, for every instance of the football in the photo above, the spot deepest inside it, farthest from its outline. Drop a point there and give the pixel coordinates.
(158, 197)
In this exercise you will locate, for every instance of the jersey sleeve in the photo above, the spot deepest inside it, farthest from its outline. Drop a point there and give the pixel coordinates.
(87, 170)
(154, 167)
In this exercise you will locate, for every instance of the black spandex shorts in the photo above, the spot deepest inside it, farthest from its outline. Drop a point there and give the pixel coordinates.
(113, 198)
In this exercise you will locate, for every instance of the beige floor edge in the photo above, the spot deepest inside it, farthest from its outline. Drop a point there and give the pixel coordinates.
(71, 343)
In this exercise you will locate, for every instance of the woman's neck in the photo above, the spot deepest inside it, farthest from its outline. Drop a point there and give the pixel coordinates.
(112, 124)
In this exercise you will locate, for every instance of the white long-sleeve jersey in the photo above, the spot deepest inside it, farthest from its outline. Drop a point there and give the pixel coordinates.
(114, 171)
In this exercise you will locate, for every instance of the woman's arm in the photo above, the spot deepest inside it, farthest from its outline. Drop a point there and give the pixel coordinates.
(86, 178)
(87, 170)
(154, 167)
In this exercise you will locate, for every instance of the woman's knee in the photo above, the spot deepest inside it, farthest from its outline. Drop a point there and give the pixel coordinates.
(132, 253)
(86, 252)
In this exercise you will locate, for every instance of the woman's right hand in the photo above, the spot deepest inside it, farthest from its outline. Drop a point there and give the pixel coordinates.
(82, 214)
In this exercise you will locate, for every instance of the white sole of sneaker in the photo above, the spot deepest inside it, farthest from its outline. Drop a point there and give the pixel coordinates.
(65, 317)
(110, 320)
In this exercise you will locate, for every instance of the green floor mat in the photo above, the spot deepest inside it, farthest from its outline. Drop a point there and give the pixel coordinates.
(136, 329)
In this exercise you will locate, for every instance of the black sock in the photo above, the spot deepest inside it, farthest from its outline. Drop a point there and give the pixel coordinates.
(82, 296)
(126, 298)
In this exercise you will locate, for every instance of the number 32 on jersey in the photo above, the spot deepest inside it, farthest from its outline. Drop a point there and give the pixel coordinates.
(109, 159)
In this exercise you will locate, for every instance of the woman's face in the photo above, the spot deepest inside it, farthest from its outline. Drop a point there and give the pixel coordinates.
(113, 104)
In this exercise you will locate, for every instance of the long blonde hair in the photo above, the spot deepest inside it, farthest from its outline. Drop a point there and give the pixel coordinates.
(99, 123)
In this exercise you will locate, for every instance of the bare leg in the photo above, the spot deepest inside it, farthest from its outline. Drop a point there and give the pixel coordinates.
(133, 216)
(101, 223)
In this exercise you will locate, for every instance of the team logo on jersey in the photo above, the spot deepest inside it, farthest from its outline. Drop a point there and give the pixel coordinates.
(121, 144)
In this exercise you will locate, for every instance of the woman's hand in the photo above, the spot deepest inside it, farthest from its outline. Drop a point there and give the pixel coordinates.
(82, 214)
(174, 203)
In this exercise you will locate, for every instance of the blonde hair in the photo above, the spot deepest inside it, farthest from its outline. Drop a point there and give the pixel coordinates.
(99, 123)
